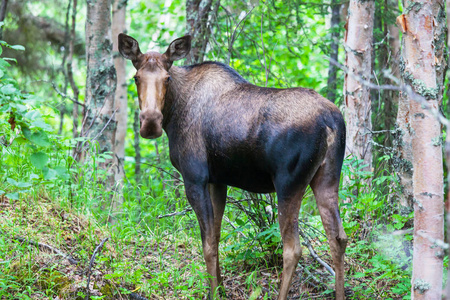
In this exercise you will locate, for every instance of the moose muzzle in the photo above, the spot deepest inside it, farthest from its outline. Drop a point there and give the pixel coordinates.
(151, 124)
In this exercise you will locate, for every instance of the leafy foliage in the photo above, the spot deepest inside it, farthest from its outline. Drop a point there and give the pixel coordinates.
(47, 196)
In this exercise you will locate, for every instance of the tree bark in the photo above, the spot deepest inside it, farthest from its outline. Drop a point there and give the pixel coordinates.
(334, 50)
(120, 102)
(76, 91)
(447, 158)
(391, 97)
(422, 67)
(402, 137)
(99, 123)
(197, 16)
(2, 15)
(119, 26)
(137, 147)
(358, 46)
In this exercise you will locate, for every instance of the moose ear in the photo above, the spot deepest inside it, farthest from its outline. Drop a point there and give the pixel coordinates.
(179, 48)
(129, 48)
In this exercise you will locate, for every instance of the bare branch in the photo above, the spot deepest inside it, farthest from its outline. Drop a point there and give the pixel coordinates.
(91, 263)
(43, 246)
(180, 213)
(401, 88)
(314, 254)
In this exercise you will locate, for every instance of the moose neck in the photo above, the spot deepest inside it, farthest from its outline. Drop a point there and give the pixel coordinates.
(193, 87)
(176, 94)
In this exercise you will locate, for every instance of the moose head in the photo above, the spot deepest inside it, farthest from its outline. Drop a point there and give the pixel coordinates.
(152, 79)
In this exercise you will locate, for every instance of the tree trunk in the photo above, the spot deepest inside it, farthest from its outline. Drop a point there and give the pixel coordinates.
(447, 204)
(391, 97)
(99, 123)
(137, 147)
(76, 91)
(197, 15)
(2, 15)
(358, 46)
(403, 159)
(334, 50)
(447, 158)
(402, 137)
(119, 26)
(422, 67)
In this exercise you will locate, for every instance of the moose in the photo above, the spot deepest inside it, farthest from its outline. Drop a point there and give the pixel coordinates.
(224, 131)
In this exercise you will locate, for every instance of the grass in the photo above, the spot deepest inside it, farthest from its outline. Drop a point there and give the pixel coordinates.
(161, 258)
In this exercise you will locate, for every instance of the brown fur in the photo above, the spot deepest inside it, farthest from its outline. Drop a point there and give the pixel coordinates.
(225, 131)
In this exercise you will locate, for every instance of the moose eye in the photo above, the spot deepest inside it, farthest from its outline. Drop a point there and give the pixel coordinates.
(168, 79)
(136, 79)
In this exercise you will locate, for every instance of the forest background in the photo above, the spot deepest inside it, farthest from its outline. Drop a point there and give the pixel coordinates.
(88, 209)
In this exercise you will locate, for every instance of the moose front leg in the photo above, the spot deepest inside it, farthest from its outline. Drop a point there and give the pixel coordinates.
(200, 200)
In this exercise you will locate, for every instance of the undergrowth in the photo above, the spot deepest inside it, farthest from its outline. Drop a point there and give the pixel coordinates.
(53, 208)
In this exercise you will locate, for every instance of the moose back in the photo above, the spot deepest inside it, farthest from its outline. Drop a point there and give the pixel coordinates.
(224, 131)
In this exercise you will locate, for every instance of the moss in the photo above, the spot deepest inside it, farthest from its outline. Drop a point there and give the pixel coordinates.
(421, 285)
(419, 86)
(418, 203)
(54, 280)
(416, 6)
(427, 194)
(437, 141)
(108, 291)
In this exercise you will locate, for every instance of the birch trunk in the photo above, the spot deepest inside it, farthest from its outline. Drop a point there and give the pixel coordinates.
(197, 16)
(119, 12)
(334, 50)
(447, 158)
(422, 67)
(76, 91)
(99, 123)
(120, 101)
(358, 47)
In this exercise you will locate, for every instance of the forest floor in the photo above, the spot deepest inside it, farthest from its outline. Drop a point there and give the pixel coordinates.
(50, 251)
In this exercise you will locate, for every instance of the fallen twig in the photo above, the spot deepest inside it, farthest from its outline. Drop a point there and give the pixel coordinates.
(314, 254)
(43, 246)
(91, 263)
(179, 213)
(135, 296)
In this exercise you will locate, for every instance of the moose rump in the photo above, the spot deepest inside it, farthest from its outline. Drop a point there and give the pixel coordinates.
(224, 131)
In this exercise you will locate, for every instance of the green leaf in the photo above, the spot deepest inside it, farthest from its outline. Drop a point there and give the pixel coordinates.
(62, 172)
(11, 181)
(18, 47)
(39, 138)
(2, 192)
(3, 63)
(8, 89)
(240, 222)
(50, 174)
(12, 196)
(39, 159)
(18, 184)
(23, 184)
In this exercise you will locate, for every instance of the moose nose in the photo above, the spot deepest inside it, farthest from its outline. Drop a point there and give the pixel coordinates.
(151, 124)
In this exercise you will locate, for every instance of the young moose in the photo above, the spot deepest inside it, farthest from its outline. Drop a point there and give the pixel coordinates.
(224, 131)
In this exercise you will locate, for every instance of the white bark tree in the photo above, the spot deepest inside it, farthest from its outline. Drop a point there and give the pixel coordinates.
(99, 123)
(423, 67)
(358, 47)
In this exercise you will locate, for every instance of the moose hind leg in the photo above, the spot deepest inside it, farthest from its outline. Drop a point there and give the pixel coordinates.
(325, 186)
(288, 209)
(218, 195)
